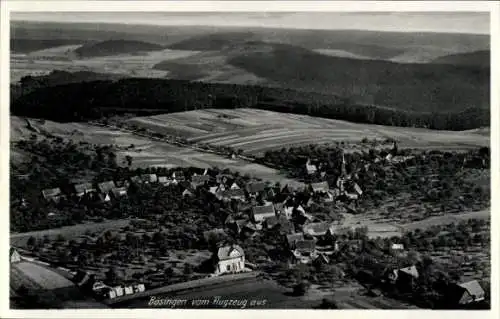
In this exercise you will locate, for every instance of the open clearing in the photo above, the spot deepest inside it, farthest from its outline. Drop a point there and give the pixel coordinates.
(256, 131)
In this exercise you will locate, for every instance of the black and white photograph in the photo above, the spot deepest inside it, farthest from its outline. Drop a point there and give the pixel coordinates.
(244, 160)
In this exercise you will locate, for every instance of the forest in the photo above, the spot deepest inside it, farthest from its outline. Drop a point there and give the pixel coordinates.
(95, 97)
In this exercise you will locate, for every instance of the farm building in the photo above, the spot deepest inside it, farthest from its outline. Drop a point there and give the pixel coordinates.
(256, 188)
(52, 194)
(15, 257)
(259, 213)
(229, 259)
(469, 292)
(83, 189)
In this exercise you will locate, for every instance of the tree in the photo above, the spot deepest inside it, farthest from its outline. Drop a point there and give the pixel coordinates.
(128, 158)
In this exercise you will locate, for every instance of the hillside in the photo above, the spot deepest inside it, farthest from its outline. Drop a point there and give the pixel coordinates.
(115, 47)
(92, 100)
(476, 58)
(416, 87)
(20, 45)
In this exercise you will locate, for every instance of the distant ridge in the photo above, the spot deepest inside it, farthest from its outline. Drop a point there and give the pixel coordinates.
(476, 58)
(116, 47)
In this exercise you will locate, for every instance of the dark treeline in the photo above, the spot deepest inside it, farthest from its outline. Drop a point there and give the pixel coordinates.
(81, 101)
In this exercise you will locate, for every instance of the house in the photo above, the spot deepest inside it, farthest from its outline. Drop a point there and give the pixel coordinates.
(223, 178)
(119, 192)
(178, 176)
(106, 187)
(407, 276)
(229, 259)
(149, 178)
(469, 292)
(322, 259)
(234, 186)
(15, 257)
(187, 192)
(255, 188)
(136, 180)
(163, 180)
(52, 194)
(83, 189)
(305, 251)
(259, 213)
(280, 222)
(310, 168)
(139, 288)
(397, 247)
(292, 239)
(318, 229)
(129, 290)
(321, 187)
(198, 180)
(236, 194)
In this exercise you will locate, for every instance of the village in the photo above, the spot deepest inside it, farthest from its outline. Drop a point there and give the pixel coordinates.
(206, 223)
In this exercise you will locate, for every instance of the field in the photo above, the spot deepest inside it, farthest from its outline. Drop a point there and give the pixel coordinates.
(20, 239)
(146, 152)
(44, 61)
(257, 131)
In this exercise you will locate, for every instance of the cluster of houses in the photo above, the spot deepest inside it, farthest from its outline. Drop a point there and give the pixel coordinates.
(101, 290)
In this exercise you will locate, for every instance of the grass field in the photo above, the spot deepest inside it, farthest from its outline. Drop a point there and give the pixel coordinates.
(256, 131)
(68, 232)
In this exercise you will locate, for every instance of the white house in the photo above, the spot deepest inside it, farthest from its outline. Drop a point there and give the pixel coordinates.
(311, 169)
(229, 259)
(14, 255)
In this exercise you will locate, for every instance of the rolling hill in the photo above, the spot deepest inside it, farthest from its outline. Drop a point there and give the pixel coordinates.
(416, 87)
(115, 47)
(21, 45)
(476, 58)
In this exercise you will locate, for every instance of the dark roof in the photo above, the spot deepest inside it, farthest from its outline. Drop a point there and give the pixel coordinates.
(106, 187)
(256, 187)
(261, 210)
(271, 221)
(51, 192)
(149, 178)
(320, 187)
(228, 193)
(85, 187)
(200, 178)
(305, 245)
(473, 288)
(411, 271)
(292, 238)
(225, 252)
(119, 191)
